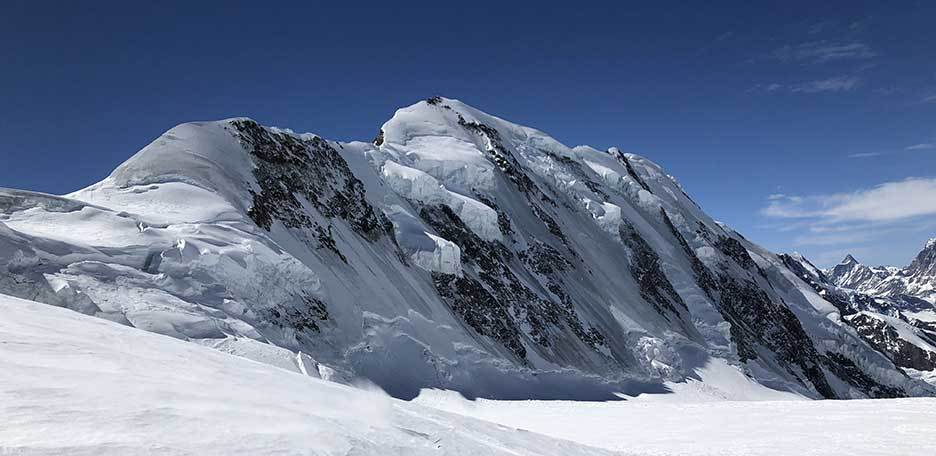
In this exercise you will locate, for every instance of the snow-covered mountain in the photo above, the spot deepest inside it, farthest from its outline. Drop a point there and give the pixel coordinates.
(456, 250)
(901, 328)
(910, 284)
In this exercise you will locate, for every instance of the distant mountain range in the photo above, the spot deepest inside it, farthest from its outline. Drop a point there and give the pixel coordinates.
(458, 250)
(891, 308)
(914, 282)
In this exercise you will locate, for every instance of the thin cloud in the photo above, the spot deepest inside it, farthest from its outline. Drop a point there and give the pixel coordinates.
(888, 202)
(832, 239)
(724, 36)
(823, 51)
(923, 146)
(836, 84)
(819, 27)
(715, 42)
(864, 155)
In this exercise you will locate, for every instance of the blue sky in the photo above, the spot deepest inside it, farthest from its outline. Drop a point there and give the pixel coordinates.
(807, 126)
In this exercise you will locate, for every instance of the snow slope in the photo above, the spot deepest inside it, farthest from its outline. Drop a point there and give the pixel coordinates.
(72, 384)
(457, 251)
(882, 427)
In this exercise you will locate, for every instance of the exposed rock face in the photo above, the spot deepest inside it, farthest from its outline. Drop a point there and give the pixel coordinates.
(455, 250)
(887, 339)
(289, 168)
(846, 369)
(647, 270)
(925, 262)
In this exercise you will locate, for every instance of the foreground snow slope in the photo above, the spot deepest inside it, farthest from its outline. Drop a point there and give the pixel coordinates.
(646, 426)
(78, 385)
(72, 384)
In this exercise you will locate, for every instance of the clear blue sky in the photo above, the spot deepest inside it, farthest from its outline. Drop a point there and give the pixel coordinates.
(797, 123)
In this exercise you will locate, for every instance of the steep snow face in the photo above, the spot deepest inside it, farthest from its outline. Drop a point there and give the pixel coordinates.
(107, 389)
(458, 251)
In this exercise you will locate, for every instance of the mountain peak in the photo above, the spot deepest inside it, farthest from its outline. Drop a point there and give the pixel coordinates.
(925, 262)
(849, 259)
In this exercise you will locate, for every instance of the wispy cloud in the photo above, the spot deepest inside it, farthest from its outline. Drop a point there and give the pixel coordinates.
(718, 40)
(888, 91)
(823, 51)
(891, 201)
(724, 36)
(865, 155)
(832, 239)
(871, 220)
(833, 84)
(836, 84)
(819, 27)
(922, 146)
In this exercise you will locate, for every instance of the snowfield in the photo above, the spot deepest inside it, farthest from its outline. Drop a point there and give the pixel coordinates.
(73, 384)
(646, 427)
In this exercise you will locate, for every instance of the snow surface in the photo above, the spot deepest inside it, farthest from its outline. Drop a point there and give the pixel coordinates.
(647, 427)
(72, 384)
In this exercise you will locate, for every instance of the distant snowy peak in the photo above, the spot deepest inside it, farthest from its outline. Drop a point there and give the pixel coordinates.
(912, 283)
(851, 273)
(902, 329)
(924, 265)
